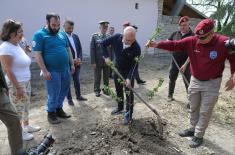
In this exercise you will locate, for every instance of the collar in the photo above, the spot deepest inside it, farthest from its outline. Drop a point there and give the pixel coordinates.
(68, 35)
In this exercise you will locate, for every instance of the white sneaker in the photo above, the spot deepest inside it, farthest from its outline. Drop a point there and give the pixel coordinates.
(27, 136)
(31, 129)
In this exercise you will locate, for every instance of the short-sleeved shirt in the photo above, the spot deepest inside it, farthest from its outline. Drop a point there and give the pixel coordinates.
(53, 48)
(20, 61)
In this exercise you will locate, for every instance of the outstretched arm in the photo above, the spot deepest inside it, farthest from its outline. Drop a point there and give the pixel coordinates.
(171, 45)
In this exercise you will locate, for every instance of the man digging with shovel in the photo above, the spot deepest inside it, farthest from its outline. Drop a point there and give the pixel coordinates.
(126, 49)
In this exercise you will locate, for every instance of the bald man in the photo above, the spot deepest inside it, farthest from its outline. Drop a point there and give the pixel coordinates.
(126, 49)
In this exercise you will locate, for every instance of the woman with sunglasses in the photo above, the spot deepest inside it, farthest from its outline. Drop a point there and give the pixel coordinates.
(16, 65)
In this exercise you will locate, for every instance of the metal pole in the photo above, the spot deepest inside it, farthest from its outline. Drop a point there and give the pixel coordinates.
(177, 65)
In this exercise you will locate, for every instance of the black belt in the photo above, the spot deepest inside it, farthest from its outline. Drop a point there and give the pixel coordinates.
(212, 78)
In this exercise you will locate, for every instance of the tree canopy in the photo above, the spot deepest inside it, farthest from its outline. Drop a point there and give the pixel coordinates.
(223, 11)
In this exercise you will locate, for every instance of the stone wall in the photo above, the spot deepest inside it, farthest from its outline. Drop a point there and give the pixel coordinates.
(168, 25)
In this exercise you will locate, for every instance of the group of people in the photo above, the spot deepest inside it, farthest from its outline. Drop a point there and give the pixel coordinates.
(59, 56)
(97, 60)
(207, 52)
(57, 62)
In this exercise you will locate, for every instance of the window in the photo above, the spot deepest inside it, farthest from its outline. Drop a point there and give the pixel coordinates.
(136, 6)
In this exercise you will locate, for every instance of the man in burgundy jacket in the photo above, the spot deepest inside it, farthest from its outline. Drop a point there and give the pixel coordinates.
(207, 54)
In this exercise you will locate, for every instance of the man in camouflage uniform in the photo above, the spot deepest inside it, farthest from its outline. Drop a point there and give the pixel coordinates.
(97, 60)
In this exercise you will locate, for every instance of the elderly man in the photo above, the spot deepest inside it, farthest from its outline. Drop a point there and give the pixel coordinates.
(54, 57)
(207, 54)
(180, 57)
(76, 49)
(137, 75)
(126, 49)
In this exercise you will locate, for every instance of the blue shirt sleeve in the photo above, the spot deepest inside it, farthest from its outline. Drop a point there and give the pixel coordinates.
(37, 43)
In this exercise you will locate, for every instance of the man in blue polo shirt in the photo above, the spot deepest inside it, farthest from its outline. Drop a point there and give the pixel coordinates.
(54, 57)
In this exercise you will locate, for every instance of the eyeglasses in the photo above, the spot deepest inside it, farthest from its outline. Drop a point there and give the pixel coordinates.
(203, 37)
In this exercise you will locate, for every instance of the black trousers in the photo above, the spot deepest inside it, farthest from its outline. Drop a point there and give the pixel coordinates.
(173, 75)
(137, 75)
(120, 88)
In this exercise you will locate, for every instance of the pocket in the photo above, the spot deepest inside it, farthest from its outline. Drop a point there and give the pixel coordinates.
(4, 98)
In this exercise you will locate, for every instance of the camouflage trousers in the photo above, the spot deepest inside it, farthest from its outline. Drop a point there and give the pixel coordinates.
(22, 105)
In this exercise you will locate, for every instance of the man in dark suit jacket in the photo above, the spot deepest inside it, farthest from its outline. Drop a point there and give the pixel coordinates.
(76, 50)
(126, 50)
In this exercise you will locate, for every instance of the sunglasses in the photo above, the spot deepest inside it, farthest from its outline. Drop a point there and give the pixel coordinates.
(203, 37)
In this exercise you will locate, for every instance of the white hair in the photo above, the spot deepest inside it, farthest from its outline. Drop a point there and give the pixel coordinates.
(129, 30)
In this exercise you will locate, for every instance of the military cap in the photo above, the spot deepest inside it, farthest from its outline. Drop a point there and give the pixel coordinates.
(204, 26)
(104, 23)
(183, 19)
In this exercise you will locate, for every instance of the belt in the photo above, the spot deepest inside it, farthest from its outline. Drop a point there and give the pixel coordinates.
(212, 78)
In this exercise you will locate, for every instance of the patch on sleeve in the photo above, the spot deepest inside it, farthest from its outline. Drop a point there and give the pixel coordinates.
(34, 43)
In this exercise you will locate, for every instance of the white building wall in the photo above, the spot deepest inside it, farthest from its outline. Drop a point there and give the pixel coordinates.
(85, 13)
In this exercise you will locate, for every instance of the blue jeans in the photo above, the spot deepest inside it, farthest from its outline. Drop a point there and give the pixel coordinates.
(76, 82)
(57, 89)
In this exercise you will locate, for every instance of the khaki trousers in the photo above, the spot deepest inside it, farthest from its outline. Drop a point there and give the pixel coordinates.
(22, 106)
(203, 96)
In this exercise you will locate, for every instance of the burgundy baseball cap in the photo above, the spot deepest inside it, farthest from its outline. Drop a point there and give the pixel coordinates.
(183, 19)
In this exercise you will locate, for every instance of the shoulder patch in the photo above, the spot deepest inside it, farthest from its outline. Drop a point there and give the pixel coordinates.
(34, 43)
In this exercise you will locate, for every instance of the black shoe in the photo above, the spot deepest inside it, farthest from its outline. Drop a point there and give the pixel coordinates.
(97, 94)
(81, 98)
(188, 106)
(51, 117)
(196, 142)
(170, 98)
(116, 111)
(71, 103)
(33, 94)
(186, 133)
(60, 113)
(141, 81)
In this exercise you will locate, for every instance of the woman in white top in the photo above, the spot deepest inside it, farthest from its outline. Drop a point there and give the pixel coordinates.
(16, 65)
